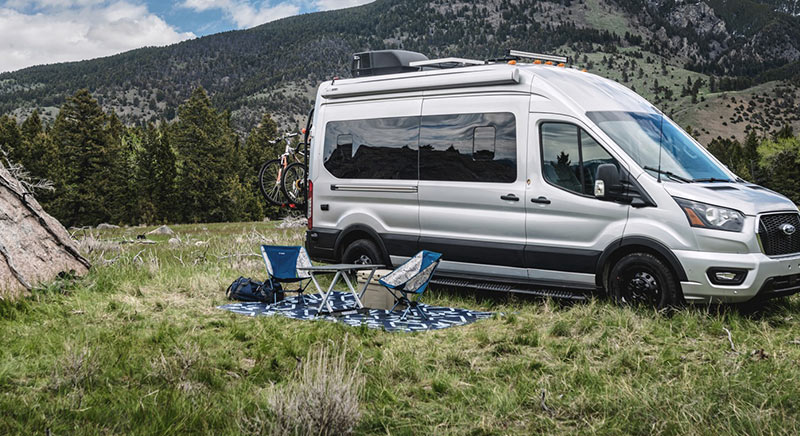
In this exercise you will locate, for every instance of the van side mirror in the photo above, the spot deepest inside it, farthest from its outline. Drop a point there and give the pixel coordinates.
(606, 182)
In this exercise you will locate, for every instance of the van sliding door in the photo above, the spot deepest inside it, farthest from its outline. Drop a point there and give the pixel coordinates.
(472, 183)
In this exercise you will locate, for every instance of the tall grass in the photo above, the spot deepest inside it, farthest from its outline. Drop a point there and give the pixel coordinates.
(323, 400)
(138, 347)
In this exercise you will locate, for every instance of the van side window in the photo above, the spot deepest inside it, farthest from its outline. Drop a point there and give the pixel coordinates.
(570, 157)
(593, 156)
(469, 147)
(381, 148)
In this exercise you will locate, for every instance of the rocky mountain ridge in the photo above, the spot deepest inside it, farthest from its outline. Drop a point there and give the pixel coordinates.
(275, 67)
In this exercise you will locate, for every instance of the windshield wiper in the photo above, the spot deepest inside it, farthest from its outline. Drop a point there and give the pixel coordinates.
(712, 180)
(669, 174)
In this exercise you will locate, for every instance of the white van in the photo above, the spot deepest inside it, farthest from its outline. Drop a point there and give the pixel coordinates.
(536, 176)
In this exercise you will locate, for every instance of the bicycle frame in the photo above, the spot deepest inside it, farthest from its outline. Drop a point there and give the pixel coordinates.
(288, 151)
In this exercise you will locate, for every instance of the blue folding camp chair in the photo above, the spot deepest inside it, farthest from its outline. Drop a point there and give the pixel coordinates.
(411, 278)
(283, 263)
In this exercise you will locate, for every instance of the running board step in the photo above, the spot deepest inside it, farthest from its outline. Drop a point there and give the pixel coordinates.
(565, 294)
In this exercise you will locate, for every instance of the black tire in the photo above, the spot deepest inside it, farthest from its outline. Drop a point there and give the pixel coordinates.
(270, 184)
(644, 279)
(293, 184)
(362, 251)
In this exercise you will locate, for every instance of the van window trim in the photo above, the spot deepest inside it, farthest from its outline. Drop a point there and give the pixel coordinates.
(580, 154)
(420, 118)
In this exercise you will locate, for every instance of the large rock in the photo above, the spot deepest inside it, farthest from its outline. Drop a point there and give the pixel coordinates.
(34, 246)
(163, 230)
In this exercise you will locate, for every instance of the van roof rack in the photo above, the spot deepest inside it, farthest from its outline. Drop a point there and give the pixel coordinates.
(446, 63)
(516, 54)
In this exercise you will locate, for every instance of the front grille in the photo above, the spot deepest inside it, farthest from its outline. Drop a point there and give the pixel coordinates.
(773, 240)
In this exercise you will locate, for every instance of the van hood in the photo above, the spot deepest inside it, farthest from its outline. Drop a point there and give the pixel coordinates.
(747, 198)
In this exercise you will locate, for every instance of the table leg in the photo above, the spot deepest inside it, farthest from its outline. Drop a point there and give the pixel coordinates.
(316, 284)
(352, 289)
(325, 302)
(366, 284)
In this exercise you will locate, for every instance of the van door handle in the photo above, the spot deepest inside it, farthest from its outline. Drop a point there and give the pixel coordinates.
(510, 197)
(540, 200)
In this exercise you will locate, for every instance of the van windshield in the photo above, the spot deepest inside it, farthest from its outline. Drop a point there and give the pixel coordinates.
(641, 134)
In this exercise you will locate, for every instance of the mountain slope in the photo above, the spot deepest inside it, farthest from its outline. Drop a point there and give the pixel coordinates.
(274, 67)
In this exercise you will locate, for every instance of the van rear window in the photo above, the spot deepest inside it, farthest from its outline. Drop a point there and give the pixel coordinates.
(381, 148)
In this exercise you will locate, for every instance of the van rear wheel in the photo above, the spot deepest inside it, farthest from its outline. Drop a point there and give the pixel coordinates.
(362, 252)
(643, 279)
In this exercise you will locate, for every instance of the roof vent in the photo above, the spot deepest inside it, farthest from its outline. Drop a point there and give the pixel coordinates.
(376, 63)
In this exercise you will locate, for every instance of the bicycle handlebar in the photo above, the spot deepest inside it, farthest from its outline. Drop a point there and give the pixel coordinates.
(281, 138)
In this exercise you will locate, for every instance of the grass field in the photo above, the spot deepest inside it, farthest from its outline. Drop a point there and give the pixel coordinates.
(138, 347)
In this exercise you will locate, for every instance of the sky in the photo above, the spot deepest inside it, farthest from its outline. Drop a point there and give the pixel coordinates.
(34, 32)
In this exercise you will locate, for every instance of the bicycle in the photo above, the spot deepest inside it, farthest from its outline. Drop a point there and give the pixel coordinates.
(274, 175)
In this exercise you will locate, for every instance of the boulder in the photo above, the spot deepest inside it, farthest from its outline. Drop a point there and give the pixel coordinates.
(34, 247)
(163, 230)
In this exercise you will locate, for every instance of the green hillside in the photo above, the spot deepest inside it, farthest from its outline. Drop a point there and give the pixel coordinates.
(274, 67)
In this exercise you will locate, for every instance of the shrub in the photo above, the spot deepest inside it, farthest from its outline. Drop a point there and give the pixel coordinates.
(323, 400)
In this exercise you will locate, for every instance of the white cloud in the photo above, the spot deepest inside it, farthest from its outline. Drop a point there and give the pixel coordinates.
(50, 31)
(326, 5)
(242, 13)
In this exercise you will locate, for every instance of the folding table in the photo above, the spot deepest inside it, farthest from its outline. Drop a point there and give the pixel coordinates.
(339, 271)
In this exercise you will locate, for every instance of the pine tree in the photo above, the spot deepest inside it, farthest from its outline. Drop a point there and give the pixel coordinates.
(750, 156)
(32, 126)
(85, 165)
(155, 176)
(204, 141)
(10, 139)
(257, 151)
(785, 132)
(782, 169)
(166, 175)
(41, 157)
(121, 195)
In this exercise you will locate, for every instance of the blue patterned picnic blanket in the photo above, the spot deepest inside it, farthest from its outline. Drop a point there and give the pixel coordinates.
(294, 307)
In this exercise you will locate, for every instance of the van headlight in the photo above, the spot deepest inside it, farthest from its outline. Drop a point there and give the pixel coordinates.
(709, 216)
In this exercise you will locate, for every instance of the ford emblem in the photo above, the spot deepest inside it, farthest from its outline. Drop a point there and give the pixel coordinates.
(787, 229)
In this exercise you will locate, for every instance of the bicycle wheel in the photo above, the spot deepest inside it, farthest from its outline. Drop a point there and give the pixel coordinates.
(269, 181)
(294, 184)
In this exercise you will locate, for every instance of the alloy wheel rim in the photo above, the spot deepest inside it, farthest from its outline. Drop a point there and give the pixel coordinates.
(641, 286)
(363, 260)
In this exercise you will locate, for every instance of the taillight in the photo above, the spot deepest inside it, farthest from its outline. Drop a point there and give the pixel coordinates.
(310, 203)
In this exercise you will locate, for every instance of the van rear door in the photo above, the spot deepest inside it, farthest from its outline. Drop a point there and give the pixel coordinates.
(367, 180)
(472, 182)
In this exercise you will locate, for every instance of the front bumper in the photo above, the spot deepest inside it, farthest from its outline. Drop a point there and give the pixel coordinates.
(767, 277)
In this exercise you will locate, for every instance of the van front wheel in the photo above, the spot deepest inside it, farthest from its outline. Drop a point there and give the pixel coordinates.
(362, 252)
(641, 278)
